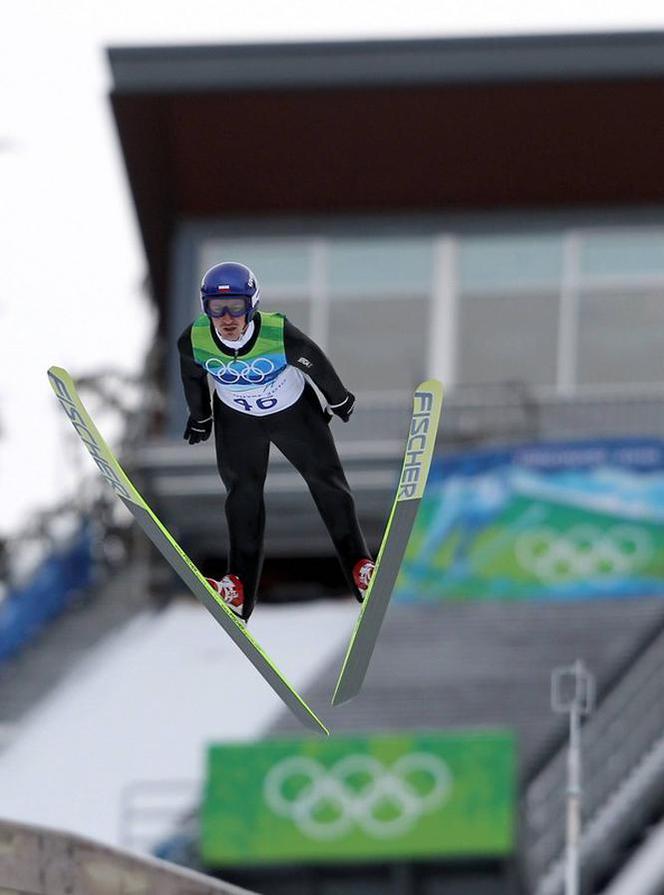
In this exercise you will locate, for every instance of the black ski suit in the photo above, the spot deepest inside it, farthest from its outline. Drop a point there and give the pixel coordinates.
(302, 434)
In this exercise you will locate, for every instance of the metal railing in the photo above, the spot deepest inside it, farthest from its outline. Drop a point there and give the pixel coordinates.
(473, 415)
(623, 756)
(184, 488)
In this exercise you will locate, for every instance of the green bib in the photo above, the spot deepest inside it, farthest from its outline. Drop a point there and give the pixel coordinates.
(260, 366)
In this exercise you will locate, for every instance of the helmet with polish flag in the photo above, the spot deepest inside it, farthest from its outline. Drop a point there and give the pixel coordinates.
(230, 279)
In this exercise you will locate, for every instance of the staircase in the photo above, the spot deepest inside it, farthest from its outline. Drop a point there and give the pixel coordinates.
(623, 780)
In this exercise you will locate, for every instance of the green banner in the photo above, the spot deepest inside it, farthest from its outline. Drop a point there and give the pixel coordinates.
(561, 520)
(409, 796)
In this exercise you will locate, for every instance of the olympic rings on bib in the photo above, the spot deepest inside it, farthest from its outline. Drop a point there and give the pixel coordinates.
(583, 551)
(234, 371)
(325, 804)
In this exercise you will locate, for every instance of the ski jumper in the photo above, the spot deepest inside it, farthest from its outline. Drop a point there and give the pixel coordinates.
(261, 396)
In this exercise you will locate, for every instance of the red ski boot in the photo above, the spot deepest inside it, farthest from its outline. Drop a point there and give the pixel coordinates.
(231, 591)
(362, 572)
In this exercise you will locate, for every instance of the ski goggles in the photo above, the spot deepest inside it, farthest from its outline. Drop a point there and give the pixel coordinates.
(217, 307)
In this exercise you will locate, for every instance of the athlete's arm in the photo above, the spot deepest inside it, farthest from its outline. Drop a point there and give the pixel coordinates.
(194, 380)
(303, 353)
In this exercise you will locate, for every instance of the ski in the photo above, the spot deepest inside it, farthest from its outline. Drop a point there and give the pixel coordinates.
(112, 472)
(427, 403)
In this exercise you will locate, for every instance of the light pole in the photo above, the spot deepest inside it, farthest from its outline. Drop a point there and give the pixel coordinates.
(573, 693)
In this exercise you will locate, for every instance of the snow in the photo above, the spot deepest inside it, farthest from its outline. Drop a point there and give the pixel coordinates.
(144, 705)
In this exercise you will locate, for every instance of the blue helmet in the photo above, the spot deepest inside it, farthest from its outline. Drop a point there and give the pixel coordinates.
(230, 278)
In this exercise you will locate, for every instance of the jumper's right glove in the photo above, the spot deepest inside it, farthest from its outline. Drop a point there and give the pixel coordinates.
(344, 410)
(197, 430)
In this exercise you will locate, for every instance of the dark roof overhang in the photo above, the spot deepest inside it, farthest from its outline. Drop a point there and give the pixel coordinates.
(387, 126)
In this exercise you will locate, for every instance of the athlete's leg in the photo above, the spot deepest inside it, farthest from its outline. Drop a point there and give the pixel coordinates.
(302, 434)
(242, 447)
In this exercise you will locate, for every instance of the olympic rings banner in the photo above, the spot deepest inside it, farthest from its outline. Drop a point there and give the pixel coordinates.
(359, 798)
(554, 520)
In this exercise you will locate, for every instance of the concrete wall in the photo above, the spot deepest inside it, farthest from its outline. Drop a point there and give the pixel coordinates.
(38, 861)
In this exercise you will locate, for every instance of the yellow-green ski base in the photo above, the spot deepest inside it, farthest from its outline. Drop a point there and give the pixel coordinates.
(427, 405)
(112, 472)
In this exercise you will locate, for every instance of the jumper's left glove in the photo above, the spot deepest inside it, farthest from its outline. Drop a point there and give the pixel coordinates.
(345, 409)
(197, 430)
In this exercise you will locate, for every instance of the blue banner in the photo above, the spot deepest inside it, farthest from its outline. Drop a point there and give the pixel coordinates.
(560, 520)
(26, 610)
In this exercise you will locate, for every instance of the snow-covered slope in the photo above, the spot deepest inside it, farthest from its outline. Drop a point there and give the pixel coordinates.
(144, 704)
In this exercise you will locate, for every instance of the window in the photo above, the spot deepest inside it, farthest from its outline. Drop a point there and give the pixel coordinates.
(558, 308)
(509, 297)
(621, 307)
(366, 301)
(621, 336)
(379, 304)
(509, 308)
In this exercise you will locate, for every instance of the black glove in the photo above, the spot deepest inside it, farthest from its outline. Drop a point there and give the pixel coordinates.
(197, 430)
(344, 410)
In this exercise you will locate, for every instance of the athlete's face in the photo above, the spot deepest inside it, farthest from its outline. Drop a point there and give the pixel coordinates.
(230, 328)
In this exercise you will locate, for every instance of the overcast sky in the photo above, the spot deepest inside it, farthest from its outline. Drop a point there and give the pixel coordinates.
(71, 262)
